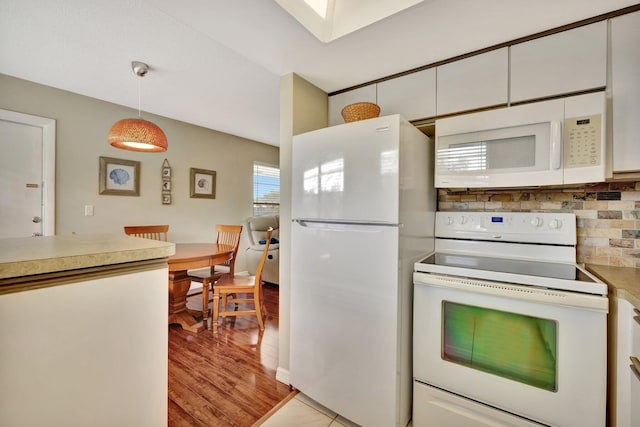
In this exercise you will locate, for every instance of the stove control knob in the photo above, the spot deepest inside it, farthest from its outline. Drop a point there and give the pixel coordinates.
(536, 221)
(462, 219)
(449, 220)
(556, 224)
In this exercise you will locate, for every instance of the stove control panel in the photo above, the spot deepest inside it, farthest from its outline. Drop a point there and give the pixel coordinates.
(530, 227)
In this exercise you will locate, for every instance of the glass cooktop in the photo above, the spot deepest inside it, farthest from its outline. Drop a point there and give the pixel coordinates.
(502, 265)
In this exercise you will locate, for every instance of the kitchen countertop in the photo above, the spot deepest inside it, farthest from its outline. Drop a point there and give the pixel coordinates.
(28, 256)
(624, 281)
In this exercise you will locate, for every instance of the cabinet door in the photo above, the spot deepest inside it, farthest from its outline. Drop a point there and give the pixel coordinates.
(634, 416)
(625, 85)
(620, 410)
(566, 62)
(341, 100)
(474, 82)
(412, 96)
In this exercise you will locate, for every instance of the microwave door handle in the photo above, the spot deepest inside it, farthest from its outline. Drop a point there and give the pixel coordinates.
(556, 144)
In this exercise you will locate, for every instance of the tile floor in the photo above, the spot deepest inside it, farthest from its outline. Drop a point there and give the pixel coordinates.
(304, 412)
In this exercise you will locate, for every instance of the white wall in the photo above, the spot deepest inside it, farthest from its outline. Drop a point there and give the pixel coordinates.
(82, 125)
(303, 107)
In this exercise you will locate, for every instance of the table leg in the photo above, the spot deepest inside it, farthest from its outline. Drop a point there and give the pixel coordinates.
(179, 284)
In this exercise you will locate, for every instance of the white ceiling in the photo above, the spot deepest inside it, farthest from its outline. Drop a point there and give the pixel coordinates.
(218, 63)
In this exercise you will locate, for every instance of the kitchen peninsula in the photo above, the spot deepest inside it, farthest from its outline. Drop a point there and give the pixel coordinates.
(83, 330)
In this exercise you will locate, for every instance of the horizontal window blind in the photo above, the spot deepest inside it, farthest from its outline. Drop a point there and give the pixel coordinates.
(266, 189)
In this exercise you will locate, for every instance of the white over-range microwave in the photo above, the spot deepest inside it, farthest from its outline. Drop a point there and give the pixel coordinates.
(556, 142)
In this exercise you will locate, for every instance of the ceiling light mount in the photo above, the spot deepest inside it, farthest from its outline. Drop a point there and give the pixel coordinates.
(137, 134)
(139, 68)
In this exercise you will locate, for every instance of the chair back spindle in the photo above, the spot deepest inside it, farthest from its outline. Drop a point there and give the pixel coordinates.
(154, 232)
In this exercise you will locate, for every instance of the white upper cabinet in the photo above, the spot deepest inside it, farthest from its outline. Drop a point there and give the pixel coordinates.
(474, 82)
(341, 100)
(625, 90)
(413, 96)
(562, 63)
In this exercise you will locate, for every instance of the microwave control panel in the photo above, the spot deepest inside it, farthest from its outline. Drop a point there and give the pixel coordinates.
(582, 141)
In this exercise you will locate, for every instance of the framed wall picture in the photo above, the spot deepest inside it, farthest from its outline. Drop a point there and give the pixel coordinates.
(166, 182)
(119, 177)
(203, 183)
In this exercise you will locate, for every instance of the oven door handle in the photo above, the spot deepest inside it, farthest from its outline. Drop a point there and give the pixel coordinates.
(598, 303)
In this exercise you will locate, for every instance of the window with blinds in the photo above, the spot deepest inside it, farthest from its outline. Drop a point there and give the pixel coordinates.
(266, 189)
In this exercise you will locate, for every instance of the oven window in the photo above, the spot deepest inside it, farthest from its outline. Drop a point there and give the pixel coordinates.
(510, 345)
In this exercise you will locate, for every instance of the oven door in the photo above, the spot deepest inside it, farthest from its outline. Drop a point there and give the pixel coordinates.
(533, 352)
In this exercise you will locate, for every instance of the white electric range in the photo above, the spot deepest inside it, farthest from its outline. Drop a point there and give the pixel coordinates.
(508, 329)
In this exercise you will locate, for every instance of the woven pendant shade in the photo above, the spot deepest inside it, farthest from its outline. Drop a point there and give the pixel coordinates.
(137, 135)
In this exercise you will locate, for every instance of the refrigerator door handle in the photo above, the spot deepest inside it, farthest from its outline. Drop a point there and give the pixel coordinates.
(343, 225)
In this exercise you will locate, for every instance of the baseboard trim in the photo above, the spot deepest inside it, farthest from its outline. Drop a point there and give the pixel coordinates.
(282, 375)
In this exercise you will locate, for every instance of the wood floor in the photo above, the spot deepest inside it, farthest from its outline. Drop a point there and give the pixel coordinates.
(229, 379)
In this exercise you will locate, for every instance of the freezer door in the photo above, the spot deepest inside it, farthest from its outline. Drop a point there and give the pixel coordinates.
(348, 172)
(345, 309)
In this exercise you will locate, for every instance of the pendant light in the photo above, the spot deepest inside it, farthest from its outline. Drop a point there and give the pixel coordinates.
(137, 134)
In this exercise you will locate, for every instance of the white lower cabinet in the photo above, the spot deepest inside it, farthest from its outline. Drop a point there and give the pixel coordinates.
(91, 352)
(625, 391)
(634, 410)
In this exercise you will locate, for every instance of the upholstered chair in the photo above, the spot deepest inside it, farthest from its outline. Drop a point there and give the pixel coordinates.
(257, 227)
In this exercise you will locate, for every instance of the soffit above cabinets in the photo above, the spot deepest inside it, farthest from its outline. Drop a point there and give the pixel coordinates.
(332, 19)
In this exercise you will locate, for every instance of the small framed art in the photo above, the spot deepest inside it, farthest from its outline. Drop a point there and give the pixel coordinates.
(119, 177)
(203, 183)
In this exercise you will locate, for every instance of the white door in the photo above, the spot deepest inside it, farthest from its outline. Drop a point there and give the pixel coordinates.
(27, 175)
(525, 352)
(348, 173)
(344, 319)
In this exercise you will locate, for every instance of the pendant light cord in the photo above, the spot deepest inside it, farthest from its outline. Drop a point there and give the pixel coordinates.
(139, 96)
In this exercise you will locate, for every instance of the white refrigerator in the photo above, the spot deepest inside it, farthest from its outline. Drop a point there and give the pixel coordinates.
(363, 207)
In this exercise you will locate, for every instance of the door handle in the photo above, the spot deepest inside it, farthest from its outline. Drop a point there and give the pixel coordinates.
(36, 219)
(556, 144)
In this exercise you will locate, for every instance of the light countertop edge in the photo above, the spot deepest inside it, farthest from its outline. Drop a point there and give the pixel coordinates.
(49, 254)
(623, 281)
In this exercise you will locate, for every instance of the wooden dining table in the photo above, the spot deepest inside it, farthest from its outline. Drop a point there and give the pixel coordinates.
(190, 256)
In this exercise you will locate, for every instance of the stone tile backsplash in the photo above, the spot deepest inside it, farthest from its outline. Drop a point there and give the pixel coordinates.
(608, 215)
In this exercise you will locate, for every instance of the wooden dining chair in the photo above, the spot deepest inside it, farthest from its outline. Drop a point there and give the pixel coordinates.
(154, 232)
(249, 286)
(225, 235)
